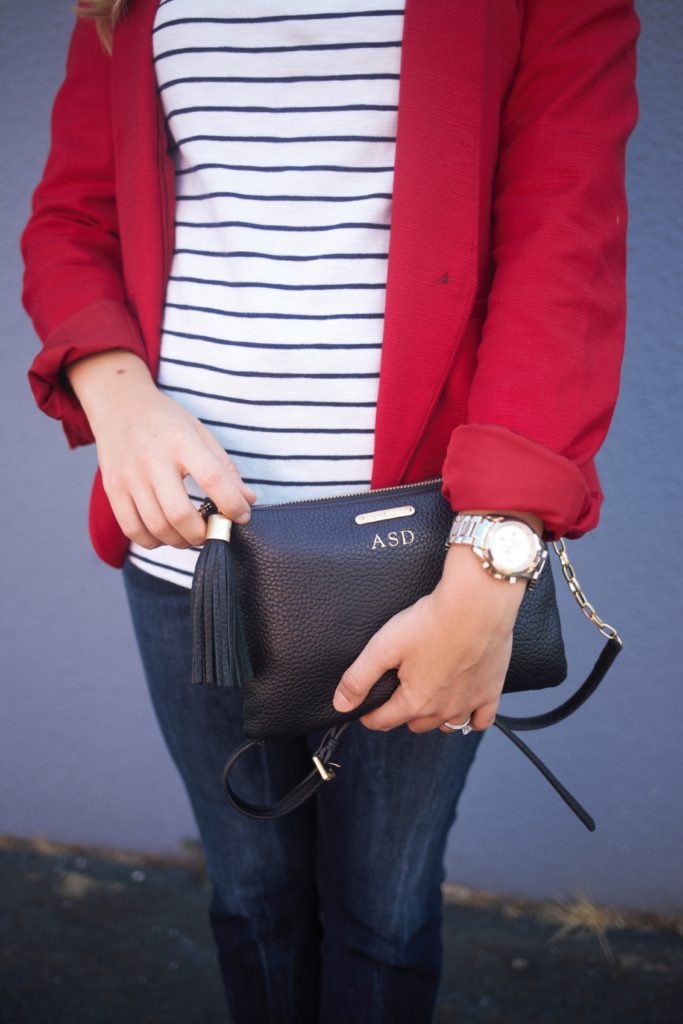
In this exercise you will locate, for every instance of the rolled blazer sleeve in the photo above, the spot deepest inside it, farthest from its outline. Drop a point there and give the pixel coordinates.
(73, 285)
(549, 362)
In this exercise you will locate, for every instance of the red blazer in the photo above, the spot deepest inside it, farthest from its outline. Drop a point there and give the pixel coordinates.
(505, 305)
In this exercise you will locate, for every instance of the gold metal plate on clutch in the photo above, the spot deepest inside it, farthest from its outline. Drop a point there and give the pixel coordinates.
(385, 513)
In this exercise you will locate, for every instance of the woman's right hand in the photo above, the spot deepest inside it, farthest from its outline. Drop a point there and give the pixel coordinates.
(146, 444)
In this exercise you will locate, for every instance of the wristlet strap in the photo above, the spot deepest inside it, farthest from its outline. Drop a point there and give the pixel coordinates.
(302, 791)
(589, 686)
(324, 765)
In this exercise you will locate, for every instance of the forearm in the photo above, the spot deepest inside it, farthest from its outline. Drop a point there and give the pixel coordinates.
(104, 381)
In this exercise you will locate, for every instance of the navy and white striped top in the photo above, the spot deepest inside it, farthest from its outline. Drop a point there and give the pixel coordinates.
(285, 129)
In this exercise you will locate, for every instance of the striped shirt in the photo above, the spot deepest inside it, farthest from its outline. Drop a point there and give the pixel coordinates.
(284, 131)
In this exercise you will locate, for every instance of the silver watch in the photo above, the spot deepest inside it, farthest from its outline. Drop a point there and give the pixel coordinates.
(508, 547)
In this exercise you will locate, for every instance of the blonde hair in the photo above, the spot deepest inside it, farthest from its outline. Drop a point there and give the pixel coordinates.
(106, 14)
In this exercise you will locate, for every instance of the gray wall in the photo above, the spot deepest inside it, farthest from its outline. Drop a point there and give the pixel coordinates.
(81, 758)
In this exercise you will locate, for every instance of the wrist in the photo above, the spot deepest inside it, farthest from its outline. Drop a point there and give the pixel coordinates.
(460, 559)
(509, 553)
(466, 588)
(106, 381)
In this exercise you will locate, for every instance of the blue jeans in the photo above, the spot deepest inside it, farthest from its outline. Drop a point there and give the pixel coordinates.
(333, 912)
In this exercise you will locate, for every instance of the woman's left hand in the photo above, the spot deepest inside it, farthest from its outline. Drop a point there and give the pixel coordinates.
(451, 650)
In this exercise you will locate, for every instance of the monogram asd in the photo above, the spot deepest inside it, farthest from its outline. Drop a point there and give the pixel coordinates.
(394, 539)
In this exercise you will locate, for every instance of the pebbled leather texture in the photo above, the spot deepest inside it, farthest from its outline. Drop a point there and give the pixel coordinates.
(314, 586)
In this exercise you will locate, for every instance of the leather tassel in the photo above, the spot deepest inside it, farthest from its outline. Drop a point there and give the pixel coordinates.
(220, 656)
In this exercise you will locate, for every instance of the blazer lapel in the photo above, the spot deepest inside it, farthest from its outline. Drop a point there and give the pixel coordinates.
(433, 244)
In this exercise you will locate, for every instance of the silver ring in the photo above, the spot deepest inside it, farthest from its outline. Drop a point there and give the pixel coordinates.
(464, 728)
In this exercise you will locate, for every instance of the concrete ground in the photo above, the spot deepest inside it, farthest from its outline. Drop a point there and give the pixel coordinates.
(103, 937)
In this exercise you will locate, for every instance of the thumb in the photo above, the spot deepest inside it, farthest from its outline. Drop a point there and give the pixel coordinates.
(373, 661)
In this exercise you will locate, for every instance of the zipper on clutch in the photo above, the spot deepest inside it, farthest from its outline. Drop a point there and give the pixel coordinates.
(350, 494)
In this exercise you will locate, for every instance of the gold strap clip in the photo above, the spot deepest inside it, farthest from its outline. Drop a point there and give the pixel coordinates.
(325, 775)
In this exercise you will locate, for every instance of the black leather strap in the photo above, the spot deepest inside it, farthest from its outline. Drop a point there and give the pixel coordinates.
(302, 791)
(332, 740)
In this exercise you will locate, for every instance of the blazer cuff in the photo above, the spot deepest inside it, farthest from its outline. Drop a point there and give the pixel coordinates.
(102, 325)
(490, 466)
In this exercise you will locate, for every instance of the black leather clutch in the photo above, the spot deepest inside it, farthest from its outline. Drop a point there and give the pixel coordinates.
(283, 604)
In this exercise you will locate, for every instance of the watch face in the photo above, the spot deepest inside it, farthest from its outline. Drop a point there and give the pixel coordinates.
(512, 548)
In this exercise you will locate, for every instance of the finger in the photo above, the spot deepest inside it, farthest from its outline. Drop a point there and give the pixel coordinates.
(216, 480)
(224, 459)
(361, 675)
(177, 507)
(461, 718)
(425, 724)
(397, 710)
(454, 720)
(480, 719)
(131, 524)
(484, 716)
(153, 517)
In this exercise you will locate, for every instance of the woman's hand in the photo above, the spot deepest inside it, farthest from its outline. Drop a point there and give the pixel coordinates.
(146, 445)
(451, 650)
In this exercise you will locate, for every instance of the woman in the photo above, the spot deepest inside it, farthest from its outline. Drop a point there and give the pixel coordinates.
(207, 264)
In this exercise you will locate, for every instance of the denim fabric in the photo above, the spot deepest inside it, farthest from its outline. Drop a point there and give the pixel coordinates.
(331, 913)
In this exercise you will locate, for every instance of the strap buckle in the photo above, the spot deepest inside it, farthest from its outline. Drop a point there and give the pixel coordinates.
(325, 775)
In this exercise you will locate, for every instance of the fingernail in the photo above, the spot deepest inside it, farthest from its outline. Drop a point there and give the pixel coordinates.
(340, 702)
(244, 518)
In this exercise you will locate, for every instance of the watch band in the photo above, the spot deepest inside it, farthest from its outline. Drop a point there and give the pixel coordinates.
(469, 528)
